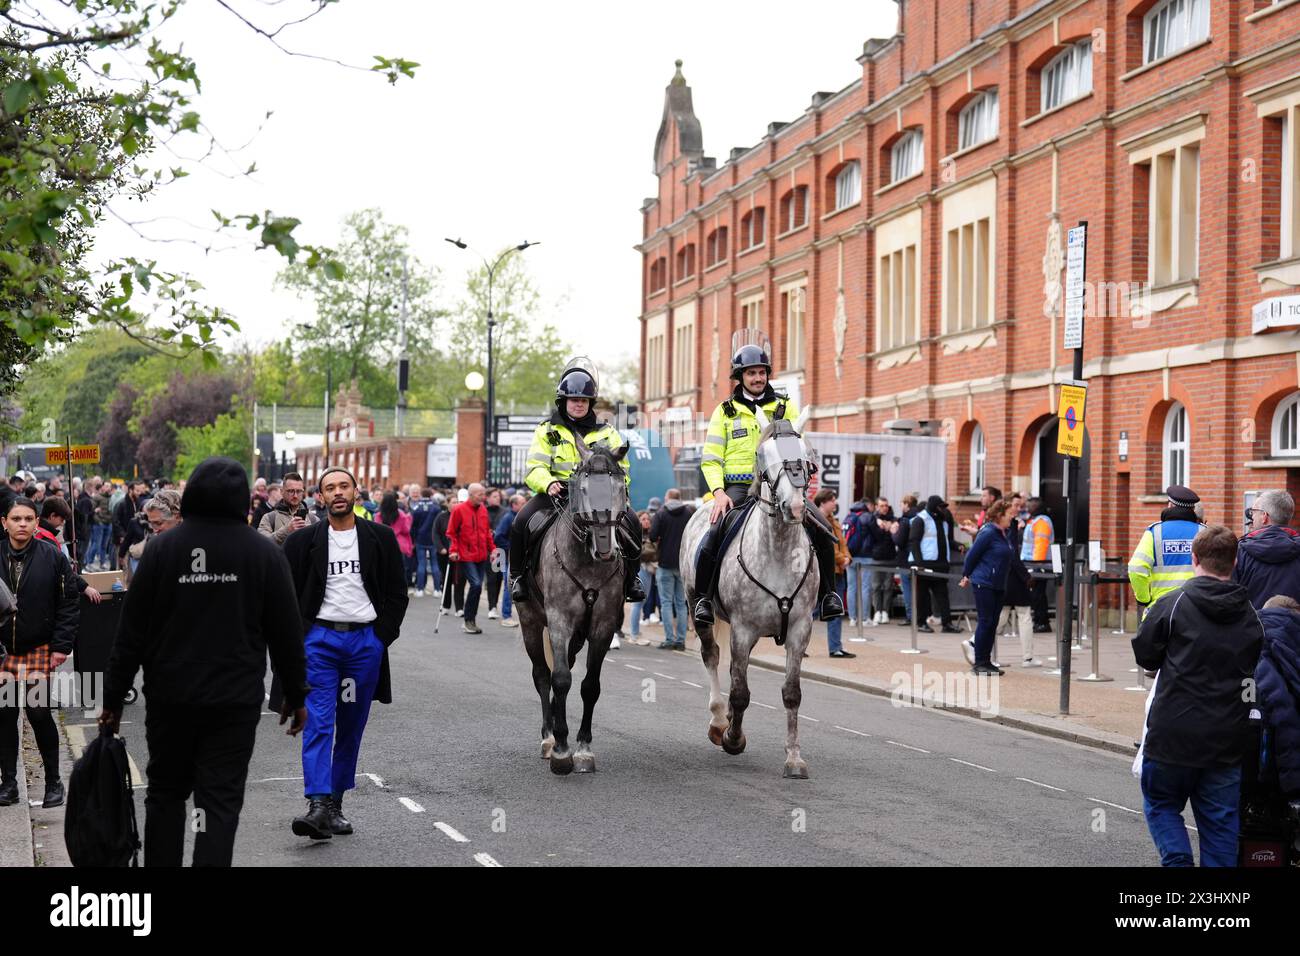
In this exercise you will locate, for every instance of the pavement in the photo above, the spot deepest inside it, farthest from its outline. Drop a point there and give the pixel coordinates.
(451, 773)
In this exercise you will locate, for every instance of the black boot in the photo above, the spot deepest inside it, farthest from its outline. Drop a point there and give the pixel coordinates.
(829, 604)
(339, 824)
(632, 587)
(706, 579)
(518, 586)
(54, 792)
(316, 822)
(8, 791)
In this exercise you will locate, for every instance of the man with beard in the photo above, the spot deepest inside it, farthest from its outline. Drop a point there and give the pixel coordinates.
(290, 513)
(351, 588)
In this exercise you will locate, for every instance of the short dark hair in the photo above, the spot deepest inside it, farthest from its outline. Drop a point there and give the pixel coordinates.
(333, 468)
(56, 506)
(21, 501)
(1035, 505)
(1215, 549)
(292, 476)
(824, 496)
(994, 491)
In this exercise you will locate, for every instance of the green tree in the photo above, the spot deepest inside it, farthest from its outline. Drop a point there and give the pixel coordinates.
(357, 332)
(230, 435)
(71, 140)
(528, 353)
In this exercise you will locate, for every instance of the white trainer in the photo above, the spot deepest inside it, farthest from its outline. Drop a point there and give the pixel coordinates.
(615, 644)
(492, 614)
(509, 622)
(1031, 662)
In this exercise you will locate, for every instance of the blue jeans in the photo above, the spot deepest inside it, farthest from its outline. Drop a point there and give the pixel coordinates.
(859, 585)
(342, 671)
(646, 579)
(1215, 793)
(475, 573)
(100, 535)
(672, 605)
(505, 591)
(834, 625)
(988, 608)
(905, 583)
(426, 564)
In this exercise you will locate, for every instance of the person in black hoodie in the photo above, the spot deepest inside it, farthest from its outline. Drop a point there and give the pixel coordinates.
(931, 546)
(35, 638)
(902, 534)
(208, 599)
(1268, 562)
(1204, 640)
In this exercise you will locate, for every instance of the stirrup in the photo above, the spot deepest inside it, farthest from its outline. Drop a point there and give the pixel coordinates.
(703, 611)
(831, 607)
(519, 589)
(632, 590)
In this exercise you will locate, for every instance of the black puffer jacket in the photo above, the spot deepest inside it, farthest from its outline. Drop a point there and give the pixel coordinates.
(47, 595)
(208, 600)
(1205, 640)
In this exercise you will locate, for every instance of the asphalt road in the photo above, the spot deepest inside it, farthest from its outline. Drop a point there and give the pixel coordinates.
(454, 776)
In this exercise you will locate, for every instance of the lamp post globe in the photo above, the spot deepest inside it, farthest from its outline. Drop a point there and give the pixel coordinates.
(474, 381)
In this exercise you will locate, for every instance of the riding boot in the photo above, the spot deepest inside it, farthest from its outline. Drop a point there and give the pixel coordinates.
(828, 599)
(632, 589)
(519, 556)
(631, 532)
(706, 578)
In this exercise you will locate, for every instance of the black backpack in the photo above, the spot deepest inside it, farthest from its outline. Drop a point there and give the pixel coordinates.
(99, 827)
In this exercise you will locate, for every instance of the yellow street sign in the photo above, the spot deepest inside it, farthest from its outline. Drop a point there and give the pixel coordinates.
(81, 455)
(1069, 439)
(1072, 396)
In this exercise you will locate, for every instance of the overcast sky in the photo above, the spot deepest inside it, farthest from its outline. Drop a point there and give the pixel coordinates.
(525, 120)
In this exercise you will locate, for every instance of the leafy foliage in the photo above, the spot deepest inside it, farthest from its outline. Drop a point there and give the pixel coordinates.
(230, 435)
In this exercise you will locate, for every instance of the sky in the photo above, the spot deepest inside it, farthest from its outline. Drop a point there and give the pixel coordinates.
(524, 121)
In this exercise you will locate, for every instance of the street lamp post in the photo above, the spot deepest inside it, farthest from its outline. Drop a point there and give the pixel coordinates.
(489, 447)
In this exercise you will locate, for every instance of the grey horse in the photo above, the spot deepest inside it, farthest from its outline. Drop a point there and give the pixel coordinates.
(770, 565)
(578, 599)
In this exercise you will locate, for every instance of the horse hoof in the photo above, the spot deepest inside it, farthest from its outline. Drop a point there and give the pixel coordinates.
(584, 763)
(715, 735)
(795, 771)
(562, 765)
(547, 747)
(733, 747)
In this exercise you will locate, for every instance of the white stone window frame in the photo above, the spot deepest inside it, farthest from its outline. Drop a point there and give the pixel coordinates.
(1067, 76)
(907, 155)
(684, 348)
(1173, 25)
(978, 459)
(848, 185)
(1285, 441)
(796, 300)
(1281, 100)
(969, 240)
(897, 306)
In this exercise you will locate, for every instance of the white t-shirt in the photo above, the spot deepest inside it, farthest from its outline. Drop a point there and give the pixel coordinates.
(345, 595)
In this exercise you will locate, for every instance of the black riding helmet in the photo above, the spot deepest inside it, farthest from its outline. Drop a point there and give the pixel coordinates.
(576, 383)
(749, 356)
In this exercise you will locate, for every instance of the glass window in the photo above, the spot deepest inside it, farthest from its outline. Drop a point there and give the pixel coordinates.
(977, 457)
(1067, 76)
(1175, 446)
(978, 120)
(906, 156)
(1286, 428)
(848, 185)
(1171, 25)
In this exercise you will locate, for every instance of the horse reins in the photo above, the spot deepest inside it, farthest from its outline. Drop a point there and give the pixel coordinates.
(783, 604)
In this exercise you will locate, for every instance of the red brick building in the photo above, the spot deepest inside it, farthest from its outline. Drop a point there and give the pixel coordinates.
(902, 242)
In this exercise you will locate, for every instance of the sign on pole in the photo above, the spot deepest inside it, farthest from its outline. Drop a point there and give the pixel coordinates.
(81, 455)
(1069, 433)
(1076, 244)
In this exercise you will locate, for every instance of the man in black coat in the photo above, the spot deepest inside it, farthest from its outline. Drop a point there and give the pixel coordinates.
(1204, 639)
(209, 598)
(351, 586)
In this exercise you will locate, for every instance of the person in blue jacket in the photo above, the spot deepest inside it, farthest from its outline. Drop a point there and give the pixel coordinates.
(986, 566)
(1268, 558)
(501, 538)
(424, 510)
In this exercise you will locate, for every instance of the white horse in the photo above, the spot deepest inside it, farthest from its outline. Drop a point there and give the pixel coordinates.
(767, 587)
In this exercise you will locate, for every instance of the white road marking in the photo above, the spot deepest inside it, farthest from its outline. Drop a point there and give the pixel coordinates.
(485, 860)
(1116, 806)
(850, 730)
(276, 779)
(633, 667)
(1045, 786)
(806, 717)
(377, 780)
(696, 686)
(759, 703)
(664, 676)
(410, 804)
(451, 832)
(906, 746)
(975, 765)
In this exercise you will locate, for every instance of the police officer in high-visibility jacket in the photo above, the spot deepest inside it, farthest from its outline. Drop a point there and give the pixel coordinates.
(730, 452)
(1163, 559)
(551, 460)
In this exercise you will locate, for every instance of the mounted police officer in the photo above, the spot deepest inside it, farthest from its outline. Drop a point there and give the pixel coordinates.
(1163, 558)
(552, 459)
(730, 451)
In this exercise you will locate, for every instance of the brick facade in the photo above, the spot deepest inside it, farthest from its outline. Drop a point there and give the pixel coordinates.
(1170, 321)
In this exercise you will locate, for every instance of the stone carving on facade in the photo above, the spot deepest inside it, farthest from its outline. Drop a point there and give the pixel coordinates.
(716, 352)
(1053, 263)
(841, 329)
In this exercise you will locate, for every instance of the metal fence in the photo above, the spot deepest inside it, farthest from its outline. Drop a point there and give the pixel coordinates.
(310, 420)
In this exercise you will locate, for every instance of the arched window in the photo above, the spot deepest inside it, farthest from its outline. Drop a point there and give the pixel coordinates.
(848, 185)
(978, 120)
(1286, 428)
(977, 458)
(906, 156)
(1067, 76)
(1175, 447)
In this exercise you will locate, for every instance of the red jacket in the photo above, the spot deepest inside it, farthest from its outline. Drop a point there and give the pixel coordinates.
(468, 534)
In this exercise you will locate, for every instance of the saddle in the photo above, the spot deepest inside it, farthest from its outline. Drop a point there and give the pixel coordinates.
(537, 529)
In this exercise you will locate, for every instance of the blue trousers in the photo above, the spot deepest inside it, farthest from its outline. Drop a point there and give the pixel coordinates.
(342, 671)
(1215, 793)
(834, 625)
(988, 608)
(426, 562)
